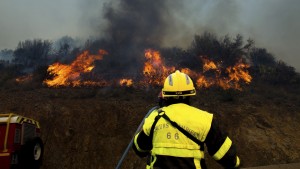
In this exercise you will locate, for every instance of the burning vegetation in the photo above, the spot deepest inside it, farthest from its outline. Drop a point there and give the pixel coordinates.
(154, 73)
(70, 75)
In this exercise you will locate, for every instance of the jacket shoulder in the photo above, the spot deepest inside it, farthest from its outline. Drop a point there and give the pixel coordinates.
(149, 121)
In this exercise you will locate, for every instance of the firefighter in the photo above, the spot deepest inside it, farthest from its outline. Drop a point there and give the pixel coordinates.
(174, 135)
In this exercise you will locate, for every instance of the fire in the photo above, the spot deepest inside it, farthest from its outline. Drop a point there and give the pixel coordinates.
(155, 70)
(69, 75)
(201, 80)
(126, 82)
(208, 65)
(235, 75)
(239, 72)
(154, 73)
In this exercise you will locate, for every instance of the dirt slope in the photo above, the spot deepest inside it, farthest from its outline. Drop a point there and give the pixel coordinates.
(280, 166)
(89, 128)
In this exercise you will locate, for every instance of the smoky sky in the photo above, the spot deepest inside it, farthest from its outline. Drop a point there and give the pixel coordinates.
(272, 24)
(139, 22)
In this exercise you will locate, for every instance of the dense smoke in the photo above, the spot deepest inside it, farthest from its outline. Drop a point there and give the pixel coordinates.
(272, 24)
(137, 22)
(131, 27)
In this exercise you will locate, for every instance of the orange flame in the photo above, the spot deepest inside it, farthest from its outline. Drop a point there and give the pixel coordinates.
(154, 69)
(69, 75)
(201, 80)
(236, 74)
(208, 65)
(154, 73)
(239, 72)
(126, 82)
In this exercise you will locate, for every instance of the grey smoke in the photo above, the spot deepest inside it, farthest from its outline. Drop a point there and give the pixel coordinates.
(273, 24)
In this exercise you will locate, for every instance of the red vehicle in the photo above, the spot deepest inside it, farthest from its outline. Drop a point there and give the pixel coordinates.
(20, 144)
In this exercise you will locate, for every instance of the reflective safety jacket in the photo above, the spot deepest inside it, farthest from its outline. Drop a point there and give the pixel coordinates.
(170, 148)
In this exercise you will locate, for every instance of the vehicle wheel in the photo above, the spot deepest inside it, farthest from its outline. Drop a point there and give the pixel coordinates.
(32, 154)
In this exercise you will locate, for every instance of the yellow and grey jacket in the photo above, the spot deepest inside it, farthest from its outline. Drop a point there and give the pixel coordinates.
(170, 148)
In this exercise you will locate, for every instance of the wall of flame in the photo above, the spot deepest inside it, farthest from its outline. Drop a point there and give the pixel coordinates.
(154, 73)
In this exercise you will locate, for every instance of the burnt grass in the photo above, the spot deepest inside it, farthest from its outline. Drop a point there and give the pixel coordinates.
(89, 128)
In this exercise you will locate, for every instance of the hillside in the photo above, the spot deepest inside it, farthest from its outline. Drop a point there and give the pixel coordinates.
(87, 128)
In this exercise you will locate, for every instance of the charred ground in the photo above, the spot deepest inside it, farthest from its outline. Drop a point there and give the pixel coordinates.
(91, 127)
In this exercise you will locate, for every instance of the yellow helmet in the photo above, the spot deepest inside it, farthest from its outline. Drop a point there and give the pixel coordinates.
(178, 84)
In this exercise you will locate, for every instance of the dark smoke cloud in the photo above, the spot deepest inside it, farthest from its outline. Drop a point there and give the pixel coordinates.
(165, 22)
(131, 27)
(272, 24)
(138, 22)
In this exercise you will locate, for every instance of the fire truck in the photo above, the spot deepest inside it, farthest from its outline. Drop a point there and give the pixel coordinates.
(20, 144)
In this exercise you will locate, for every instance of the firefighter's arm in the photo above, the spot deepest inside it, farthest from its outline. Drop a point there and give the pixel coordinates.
(221, 148)
(142, 144)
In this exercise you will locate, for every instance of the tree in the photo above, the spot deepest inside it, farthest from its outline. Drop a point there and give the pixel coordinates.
(32, 53)
(225, 50)
(206, 45)
(260, 56)
(231, 50)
